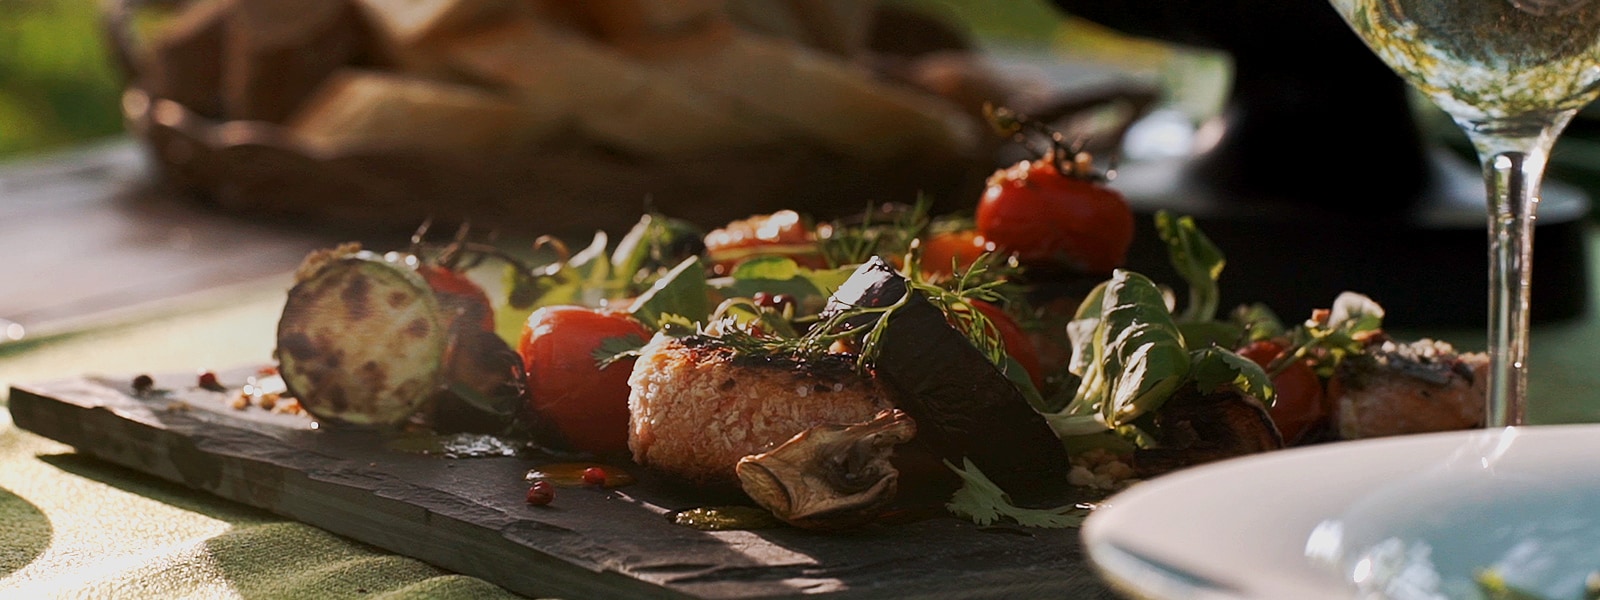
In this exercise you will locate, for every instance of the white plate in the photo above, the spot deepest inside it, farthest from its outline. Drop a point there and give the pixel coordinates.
(1306, 523)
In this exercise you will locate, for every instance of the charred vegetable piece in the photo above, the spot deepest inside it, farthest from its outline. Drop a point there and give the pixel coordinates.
(964, 406)
(486, 383)
(829, 476)
(1193, 428)
(360, 340)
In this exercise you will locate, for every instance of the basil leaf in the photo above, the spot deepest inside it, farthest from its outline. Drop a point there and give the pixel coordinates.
(1150, 363)
(1201, 334)
(1215, 368)
(780, 275)
(681, 292)
(634, 248)
(1195, 259)
(1140, 354)
(1258, 321)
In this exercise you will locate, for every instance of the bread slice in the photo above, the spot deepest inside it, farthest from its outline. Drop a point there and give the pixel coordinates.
(358, 111)
(623, 22)
(404, 27)
(564, 77)
(839, 27)
(405, 22)
(185, 57)
(814, 96)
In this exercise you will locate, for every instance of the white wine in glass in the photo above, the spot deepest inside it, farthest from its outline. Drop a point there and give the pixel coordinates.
(1511, 74)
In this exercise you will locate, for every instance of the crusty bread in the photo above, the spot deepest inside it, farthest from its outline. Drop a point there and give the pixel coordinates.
(186, 61)
(278, 51)
(403, 27)
(818, 97)
(405, 22)
(622, 22)
(838, 27)
(563, 77)
(358, 110)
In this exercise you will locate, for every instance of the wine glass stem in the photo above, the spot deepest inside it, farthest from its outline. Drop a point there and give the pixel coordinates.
(1510, 250)
(1514, 157)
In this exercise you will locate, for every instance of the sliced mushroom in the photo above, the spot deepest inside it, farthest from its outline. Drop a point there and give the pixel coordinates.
(830, 476)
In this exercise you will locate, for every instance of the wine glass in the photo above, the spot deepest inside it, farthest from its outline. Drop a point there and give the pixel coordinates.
(1511, 74)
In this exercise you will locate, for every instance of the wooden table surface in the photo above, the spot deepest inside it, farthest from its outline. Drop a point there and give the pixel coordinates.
(90, 238)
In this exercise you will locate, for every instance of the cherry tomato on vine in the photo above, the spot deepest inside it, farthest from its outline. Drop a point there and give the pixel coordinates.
(959, 248)
(1299, 406)
(458, 295)
(1046, 215)
(783, 233)
(586, 404)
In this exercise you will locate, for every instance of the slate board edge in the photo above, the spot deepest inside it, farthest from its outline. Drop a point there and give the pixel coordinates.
(517, 567)
(31, 411)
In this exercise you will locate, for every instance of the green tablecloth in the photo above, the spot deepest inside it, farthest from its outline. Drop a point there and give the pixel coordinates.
(73, 526)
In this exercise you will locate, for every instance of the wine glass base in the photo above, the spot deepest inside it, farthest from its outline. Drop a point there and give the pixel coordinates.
(1427, 267)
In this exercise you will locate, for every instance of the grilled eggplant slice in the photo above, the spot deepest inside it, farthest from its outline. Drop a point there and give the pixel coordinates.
(361, 340)
(964, 406)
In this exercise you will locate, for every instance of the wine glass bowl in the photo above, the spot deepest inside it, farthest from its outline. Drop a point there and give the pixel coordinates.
(1511, 75)
(1520, 60)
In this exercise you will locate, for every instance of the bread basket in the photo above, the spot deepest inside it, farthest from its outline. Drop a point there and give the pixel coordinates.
(240, 143)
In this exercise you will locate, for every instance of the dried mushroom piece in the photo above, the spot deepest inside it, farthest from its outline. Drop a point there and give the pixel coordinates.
(830, 476)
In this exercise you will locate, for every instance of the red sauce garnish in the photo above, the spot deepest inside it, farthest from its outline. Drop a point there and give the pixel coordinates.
(579, 474)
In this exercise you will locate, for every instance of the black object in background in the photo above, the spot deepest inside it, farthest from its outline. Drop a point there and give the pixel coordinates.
(1324, 180)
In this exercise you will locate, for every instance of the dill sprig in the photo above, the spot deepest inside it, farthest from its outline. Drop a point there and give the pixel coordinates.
(765, 332)
(954, 298)
(816, 341)
(887, 230)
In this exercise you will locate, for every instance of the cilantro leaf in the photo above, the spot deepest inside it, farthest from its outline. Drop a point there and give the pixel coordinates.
(984, 503)
(613, 349)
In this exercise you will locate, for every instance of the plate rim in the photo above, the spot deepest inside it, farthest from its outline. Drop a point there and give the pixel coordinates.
(1122, 554)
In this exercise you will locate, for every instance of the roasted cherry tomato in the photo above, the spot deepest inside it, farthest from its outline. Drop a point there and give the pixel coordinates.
(1017, 342)
(783, 233)
(586, 404)
(1048, 216)
(958, 249)
(1299, 406)
(459, 296)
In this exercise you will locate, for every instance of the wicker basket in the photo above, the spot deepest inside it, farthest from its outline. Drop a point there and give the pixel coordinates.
(260, 169)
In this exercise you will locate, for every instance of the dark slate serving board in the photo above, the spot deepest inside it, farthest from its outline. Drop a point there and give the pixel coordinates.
(470, 515)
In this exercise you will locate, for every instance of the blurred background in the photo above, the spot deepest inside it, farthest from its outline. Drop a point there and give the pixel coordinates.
(59, 86)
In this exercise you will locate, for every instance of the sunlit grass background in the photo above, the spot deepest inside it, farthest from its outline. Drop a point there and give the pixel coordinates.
(57, 83)
(59, 86)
